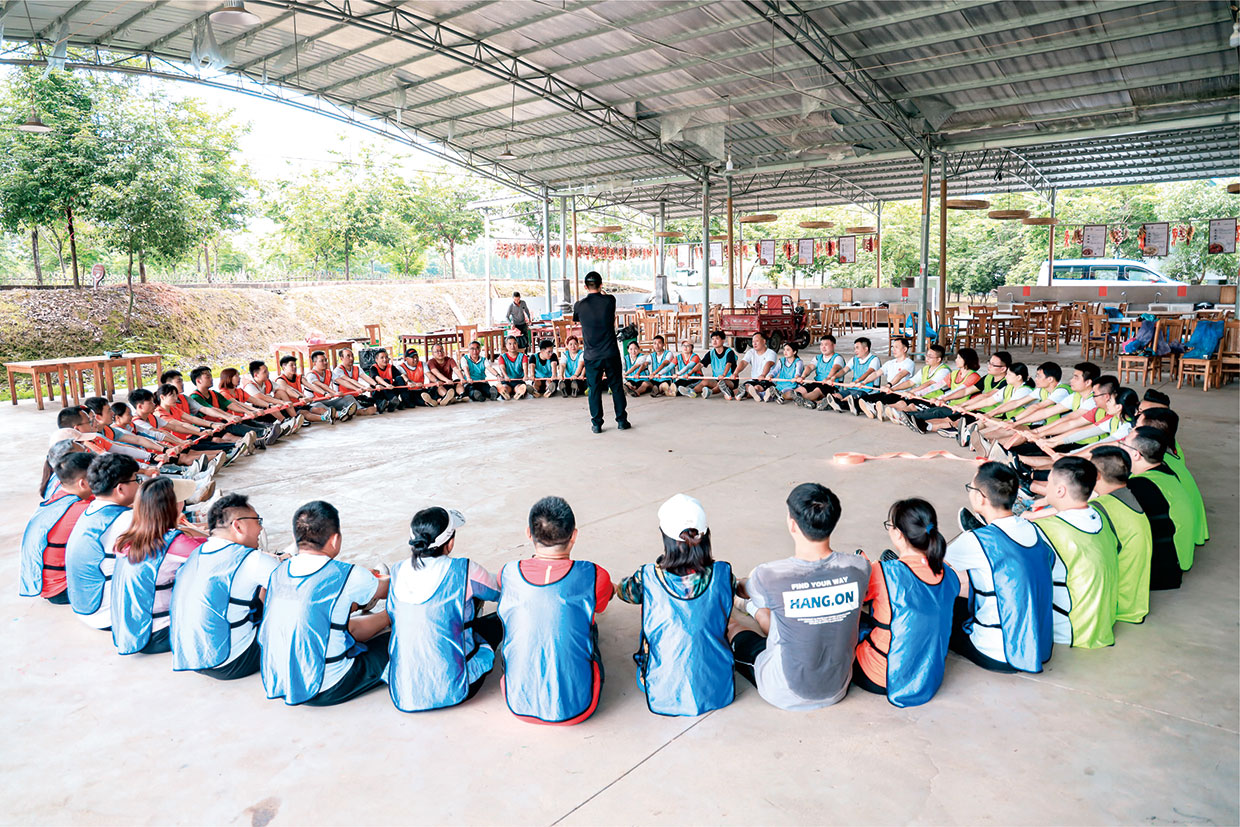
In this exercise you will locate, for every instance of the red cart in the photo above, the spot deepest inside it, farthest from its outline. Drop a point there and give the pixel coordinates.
(775, 316)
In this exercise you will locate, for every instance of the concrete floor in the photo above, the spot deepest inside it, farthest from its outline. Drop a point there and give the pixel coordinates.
(1146, 731)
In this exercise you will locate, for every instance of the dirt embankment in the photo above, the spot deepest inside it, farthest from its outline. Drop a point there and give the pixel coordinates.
(222, 327)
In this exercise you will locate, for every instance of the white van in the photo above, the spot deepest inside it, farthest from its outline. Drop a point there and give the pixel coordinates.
(1100, 272)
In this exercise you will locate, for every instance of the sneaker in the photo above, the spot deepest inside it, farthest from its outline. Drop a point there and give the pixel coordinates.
(867, 408)
(248, 441)
(880, 411)
(726, 391)
(968, 521)
(822, 405)
(981, 444)
(202, 491)
(770, 395)
(328, 417)
(286, 426)
(893, 416)
(949, 433)
(198, 466)
(215, 464)
(779, 397)
(234, 454)
(965, 433)
(687, 391)
(854, 405)
(272, 434)
(351, 411)
(834, 404)
(706, 393)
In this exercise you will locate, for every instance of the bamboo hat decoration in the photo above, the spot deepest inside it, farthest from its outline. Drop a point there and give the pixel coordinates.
(605, 228)
(668, 234)
(860, 230)
(758, 218)
(1040, 221)
(1008, 215)
(816, 225)
(966, 204)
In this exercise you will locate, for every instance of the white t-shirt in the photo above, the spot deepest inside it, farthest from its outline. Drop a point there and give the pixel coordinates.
(253, 573)
(251, 387)
(359, 588)
(758, 361)
(892, 367)
(102, 619)
(937, 378)
(964, 554)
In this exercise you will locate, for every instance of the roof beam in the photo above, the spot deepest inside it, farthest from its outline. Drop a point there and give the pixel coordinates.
(1203, 73)
(305, 40)
(103, 39)
(48, 30)
(154, 45)
(422, 32)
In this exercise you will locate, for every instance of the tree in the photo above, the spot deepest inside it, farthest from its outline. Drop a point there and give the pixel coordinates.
(441, 209)
(44, 178)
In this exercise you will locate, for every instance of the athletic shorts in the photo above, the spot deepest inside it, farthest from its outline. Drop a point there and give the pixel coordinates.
(816, 386)
(513, 384)
(760, 384)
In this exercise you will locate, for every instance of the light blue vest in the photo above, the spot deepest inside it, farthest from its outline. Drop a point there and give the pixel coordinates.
(1024, 594)
(571, 363)
(133, 598)
(718, 363)
(53, 485)
(685, 666)
(201, 635)
(823, 366)
(548, 643)
(785, 372)
(84, 556)
(860, 367)
(430, 644)
(515, 368)
(662, 365)
(921, 625)
(542, 367)
(297, 624)
(34, 541)
(477, 370)
(683, 364)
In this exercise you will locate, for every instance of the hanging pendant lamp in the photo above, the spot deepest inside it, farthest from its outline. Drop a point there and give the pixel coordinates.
(966, 204)
(816, 225)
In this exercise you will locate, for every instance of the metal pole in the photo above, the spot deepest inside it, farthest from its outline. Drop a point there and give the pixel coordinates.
(1050, 262)
(661, 240)
(923, 271)
(878, 245)
(705, 258)
(942, 302)
(576, 257)
(546, 238)
(566, 299)
(731, 252)
(486, 259)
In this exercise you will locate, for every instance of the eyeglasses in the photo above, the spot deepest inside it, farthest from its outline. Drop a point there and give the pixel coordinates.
(887, 524)
(260, 519)
(971, 487)
(130, 480)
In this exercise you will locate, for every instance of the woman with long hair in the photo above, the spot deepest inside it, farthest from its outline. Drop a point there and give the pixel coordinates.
(684, 665)
(440, 651)
(911, 596)
(148, 555)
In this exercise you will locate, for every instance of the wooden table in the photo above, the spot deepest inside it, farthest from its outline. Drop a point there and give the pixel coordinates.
(447, 338)
(69, 371)
(302, 351)
(862, 315)
(38, 370)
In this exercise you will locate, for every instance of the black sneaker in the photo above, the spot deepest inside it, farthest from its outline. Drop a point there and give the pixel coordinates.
(968, 521)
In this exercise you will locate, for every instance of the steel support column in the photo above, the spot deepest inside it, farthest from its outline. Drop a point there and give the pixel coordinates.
(705, 258)
(1050, 252)
(942, 302)
(661, 240)
(566, 297)
(923, 271)
(878, 245)
(486, 263)
(731, 252)
(546, 238)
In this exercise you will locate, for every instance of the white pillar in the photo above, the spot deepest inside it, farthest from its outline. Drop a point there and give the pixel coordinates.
(705, 258)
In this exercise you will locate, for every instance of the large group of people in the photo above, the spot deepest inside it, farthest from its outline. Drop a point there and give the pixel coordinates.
(1081, 505)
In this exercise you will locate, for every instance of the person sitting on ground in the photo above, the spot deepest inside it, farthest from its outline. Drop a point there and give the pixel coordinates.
(447, 376)
(260, 391)
(553, 671)
(57, 450)
(90, 550)
(546, 365)
(786, 375)
(293, 386)
(148, 555)
(1006, 624)
(865, 373)
(153, 456)
(210, 404)
(1086, 571)
(986, 396)
(1068, 413)
(314, 649)
(1091, 424)
(1157, 488)
(171, 416)
(1114, 417)
(905, 634)
(827, 367)
(924, 387)
(513, 369)
(723, 368)
(1017, 392)
(662, 368)
(898, 375)
(1048, 391)
(808, 608)
(441, 648)
(961, 385)
(229, 385)
(684, 664)
(318, 381)
(124, 423)
(761, 361)
(573, 369)
(120, 442)
(475, 370)
(1136, 544)
(687, 369)
(47, 531)
(390, 391)
(348, 378)
(414, 371)
(217, 598)
(1168, 421)
(637, 371)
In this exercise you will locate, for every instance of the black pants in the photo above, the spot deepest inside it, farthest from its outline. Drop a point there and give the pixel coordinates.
(478, 391)
(962, 645)
(746, 647)
(880, 396)
(611, 369)
(364, 674)
(240, 667)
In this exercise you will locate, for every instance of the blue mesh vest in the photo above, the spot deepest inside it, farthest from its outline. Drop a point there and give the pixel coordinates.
(35, 542)
(84, 556)
(133, 598)
(1024, 594)
(921, 625)
(201, 635)
(430, 644)
(297, 625)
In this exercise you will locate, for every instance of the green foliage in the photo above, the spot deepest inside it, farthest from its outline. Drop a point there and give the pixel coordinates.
(439, 208)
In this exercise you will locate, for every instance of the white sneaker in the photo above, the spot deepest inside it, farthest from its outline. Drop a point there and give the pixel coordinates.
(687, 391)
(248, 441)
(779, 397)
(706, 393)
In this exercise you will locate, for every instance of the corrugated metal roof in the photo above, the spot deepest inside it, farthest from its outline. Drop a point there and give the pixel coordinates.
(813, 100)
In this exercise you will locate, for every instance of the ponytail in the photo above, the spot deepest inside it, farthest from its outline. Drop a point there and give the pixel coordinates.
(918, 522)
(687, 554)
(425, 528)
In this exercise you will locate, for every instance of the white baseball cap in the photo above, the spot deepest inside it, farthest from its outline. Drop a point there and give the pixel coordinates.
(73, 434)
(679, 513)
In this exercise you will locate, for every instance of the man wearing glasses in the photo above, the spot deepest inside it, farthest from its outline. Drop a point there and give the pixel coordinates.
(217, 600)
(89, 552)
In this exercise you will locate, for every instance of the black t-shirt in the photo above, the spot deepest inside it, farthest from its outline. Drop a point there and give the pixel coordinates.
(597, 315)
(1164, 564)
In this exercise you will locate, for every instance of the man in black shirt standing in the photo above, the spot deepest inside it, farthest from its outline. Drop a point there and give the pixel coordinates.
(597, 315)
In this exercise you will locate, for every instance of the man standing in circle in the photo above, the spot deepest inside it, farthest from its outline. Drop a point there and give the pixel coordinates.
(519, 316)
(597, 315)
